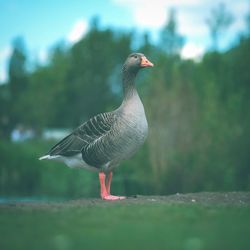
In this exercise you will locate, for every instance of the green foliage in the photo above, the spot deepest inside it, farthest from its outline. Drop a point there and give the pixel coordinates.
(198, 116)
(18, 81)
(92, 61)
(22, 174)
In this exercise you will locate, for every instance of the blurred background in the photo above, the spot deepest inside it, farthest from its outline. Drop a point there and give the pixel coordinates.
(60, 64)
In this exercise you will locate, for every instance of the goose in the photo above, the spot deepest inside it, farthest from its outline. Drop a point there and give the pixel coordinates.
(102, 142)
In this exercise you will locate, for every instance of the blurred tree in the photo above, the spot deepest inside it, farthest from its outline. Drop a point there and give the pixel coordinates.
(122, 49)
(93, 60)
(47, 91)
(146, 46)
(77, 81)
(17, 67)
(4, 111)
(171, 109)
(170, 41)
(18, 79)
(95, 23)
(219, 21)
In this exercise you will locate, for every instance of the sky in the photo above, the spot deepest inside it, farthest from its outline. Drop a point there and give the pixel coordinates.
(42, 23)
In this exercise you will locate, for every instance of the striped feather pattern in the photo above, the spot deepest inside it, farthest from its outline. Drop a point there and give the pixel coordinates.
(87, 139)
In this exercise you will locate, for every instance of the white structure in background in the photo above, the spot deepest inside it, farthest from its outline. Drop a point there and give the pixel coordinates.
(20, 134)
(55, 134)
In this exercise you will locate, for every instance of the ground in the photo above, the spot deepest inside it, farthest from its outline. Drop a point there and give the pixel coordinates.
(197, 221)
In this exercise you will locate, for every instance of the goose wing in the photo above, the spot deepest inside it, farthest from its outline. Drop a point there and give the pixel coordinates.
(85, 136)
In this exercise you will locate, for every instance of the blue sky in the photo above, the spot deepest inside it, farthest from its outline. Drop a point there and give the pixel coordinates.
(43, 23)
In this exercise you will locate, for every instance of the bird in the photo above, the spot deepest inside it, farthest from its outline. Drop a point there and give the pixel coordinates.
(104, 141)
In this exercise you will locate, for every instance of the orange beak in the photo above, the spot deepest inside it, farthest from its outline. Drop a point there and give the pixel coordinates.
(145, 62)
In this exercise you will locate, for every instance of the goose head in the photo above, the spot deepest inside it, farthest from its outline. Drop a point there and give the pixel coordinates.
(136, 61)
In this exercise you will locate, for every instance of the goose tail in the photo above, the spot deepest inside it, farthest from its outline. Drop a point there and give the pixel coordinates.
(48, 157)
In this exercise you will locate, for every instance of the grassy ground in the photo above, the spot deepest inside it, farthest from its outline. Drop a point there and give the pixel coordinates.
(188, 222)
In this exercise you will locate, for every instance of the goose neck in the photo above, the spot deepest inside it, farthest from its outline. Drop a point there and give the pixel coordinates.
(128, 81)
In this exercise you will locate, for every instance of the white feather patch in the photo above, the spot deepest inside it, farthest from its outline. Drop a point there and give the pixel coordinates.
(75, 161)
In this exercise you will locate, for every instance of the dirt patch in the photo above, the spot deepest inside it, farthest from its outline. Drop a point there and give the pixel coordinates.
(205, 198)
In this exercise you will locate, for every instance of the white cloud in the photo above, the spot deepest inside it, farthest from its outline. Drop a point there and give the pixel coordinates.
(154, 14)
(4, 55)
(192, 51)
(191, 15)
(43, 55)
(190, 24)
(78, 30)
(149, 15)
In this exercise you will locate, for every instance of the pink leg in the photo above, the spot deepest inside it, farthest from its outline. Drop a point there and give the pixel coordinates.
(108, 183)
(105, 189)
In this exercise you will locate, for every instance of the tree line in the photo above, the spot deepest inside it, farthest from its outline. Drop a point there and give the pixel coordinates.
(198, 112)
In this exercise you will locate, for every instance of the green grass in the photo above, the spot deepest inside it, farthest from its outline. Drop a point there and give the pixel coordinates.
(125, 226)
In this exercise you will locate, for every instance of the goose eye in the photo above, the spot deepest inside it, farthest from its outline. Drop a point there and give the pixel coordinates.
(135, 57)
